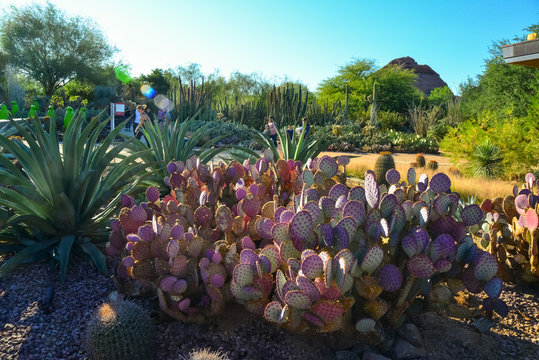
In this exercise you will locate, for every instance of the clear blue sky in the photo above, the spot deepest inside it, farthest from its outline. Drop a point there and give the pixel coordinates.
(306, 41)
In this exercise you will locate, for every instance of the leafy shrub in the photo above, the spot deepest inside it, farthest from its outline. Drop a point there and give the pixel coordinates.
(391, 120)
(516, 139)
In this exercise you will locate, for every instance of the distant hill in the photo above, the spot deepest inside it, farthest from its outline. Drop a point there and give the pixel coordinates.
(427, 80)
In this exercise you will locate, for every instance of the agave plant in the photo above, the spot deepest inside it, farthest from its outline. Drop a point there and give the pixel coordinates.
(169, 143)
(60, 199)
(486, 160)
(298, 148)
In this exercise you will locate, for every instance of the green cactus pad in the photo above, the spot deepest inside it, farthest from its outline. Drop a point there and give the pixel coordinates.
(356, 210)
(337, 191)
(298, 299)
(372, 259)
(224, 218)
(486, 267)
(387, 206)
(328, 166)
(308, 287)
(243, 274)
(442, 204)
(411, 177)
(288, 251)
(301, 226)
(272, 254)
(280, 233)
(249, 257)
(420, 266)
(272, 312)
(312, 266)
(357, 193)
(308, 178)
(372, 193)
(398, 220)
(314, 211)
(264, 227)
(365, 325)
(280, 281)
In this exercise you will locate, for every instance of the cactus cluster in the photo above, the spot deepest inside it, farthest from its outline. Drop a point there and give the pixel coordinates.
(293, 244)
(510, 231)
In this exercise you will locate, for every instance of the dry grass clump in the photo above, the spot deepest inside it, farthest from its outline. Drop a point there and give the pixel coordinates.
(465, 186)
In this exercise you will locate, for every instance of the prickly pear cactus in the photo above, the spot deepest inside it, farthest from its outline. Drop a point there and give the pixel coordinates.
(510, 232)
(292, 244)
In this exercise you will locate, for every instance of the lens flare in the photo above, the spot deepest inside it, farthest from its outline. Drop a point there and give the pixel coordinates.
(161, 101)
(148, 91)
(122, 74)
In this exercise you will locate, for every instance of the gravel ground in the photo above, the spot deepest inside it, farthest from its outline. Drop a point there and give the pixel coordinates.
(28, 332)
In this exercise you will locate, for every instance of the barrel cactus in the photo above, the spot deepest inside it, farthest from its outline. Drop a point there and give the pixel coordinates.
(206, 354)
(120, 330)
(420, 160)
(383, 164)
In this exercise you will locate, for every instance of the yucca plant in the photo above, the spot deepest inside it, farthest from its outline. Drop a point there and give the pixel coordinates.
(297, 148)
(486, 160)
(61, 201)
(169, 142)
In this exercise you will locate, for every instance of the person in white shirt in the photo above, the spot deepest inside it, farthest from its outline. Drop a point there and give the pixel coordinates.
(137, 118)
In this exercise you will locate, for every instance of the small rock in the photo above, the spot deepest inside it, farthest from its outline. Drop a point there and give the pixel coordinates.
(402, 349)
(373, 356)
(361, 348)
(346, 355)
(411, 333)
(458, 311)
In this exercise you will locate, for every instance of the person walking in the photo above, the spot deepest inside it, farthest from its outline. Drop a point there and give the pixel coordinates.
(136, 121)
(272, 130)
(142, 118)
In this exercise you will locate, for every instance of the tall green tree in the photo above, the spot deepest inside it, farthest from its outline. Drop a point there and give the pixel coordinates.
(395, 88)
(52, 48)
(157, 80)
(502, 88)
(354, 74)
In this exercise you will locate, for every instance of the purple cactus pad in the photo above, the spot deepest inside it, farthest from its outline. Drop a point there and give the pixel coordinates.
(420, 266)
(471, 215)
(390, 277)
(393, 176)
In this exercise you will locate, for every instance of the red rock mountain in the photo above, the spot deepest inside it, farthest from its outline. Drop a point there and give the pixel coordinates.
(427, 79)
